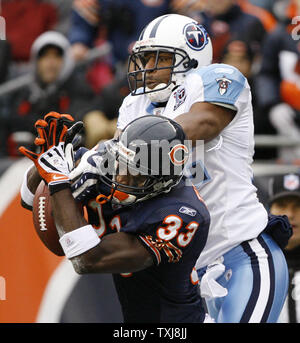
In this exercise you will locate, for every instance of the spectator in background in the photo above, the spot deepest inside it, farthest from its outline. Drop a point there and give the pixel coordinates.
(278, 84)
(265, 15)
(25, 21)
(266, 4)
(284, 199)
(121, 20)
(239, 54)
(107, 105)
(5, 59)
(118, 22)
(226, 21)
(189, 8)
(55, 87)
(63, 14)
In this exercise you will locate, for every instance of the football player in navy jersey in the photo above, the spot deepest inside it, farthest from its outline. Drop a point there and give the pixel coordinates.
(146, 226)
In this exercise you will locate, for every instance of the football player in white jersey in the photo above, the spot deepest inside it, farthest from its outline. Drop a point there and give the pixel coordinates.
(170, 73)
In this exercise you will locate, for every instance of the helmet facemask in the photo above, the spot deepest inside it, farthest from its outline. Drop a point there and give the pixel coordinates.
(141, 183)
(180, 35)
(139, 76)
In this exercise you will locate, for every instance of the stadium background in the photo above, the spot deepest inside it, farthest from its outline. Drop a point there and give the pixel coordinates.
(41, 287)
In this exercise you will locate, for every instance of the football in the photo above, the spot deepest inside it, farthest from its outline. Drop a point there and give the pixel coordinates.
(43, 220)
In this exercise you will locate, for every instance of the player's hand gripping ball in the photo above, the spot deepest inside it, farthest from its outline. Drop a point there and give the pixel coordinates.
(55, 135)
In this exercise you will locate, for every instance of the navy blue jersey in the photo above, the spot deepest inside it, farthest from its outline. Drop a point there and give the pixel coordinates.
(173, 227)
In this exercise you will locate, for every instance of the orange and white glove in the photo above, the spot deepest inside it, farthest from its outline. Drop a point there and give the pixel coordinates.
(54, 128)
(52, 166)
(52, 163)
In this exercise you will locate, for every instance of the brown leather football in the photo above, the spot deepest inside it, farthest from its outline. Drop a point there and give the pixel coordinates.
(43, 220)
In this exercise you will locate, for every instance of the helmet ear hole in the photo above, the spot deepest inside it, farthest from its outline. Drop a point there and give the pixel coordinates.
(192, 64)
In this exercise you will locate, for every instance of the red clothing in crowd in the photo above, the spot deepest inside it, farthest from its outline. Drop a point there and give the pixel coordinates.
(25, 21)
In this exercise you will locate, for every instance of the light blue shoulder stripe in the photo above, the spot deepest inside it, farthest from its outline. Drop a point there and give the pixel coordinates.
(222, 83)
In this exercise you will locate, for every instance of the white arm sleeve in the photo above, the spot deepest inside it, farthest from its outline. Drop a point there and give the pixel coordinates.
(26, 194)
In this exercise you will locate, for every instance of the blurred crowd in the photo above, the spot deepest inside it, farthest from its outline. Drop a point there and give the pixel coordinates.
(71, 56)
(47, 62)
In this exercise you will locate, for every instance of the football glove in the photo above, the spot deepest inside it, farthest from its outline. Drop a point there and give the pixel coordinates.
(52, 166)
(86, 175)
(55, 159)
(55, 128)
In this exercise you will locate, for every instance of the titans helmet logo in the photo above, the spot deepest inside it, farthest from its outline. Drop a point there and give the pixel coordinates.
(195, 36)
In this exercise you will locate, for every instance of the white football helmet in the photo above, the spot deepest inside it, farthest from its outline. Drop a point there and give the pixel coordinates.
(182, 36)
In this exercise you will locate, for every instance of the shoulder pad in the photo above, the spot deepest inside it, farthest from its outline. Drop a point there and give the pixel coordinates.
(222, 83)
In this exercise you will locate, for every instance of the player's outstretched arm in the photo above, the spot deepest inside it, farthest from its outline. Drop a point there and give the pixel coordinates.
(205, 121)
(115, 253)
(48, 134)
(119, 252)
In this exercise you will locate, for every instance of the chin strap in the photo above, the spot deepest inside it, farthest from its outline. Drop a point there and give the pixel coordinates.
(157, 94)
(117, 197)
(103, 199)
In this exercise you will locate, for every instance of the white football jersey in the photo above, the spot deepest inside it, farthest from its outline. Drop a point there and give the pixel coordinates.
(227, 188)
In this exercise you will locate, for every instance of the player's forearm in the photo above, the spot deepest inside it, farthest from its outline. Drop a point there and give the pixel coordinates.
(68, 218)
(205, 121)
(116, 253)
(33, 179)
(197, 128)
(66, 212)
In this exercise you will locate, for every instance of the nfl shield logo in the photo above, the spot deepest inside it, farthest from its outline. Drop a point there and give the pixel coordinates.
(291, 182)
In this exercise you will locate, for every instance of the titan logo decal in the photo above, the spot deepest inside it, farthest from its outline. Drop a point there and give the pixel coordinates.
(223, 84)
(195, 36)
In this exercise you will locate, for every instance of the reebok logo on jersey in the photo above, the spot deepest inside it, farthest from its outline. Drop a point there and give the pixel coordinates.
(189, 211)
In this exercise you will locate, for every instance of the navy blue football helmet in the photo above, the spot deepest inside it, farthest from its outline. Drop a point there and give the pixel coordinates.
(148, 158)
